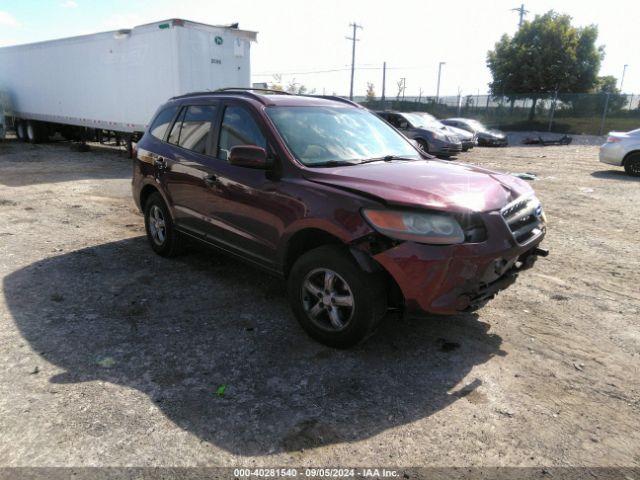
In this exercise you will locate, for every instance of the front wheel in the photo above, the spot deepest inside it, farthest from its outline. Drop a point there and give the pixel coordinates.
(632, 165)
(423, 144)
(335, 301)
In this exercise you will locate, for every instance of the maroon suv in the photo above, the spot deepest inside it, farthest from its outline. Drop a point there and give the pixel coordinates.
(324, 193)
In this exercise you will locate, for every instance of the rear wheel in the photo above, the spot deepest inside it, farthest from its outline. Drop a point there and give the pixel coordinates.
(161, 234)
(632, 165)
(20, 130)
(335, 302)
(35, 131)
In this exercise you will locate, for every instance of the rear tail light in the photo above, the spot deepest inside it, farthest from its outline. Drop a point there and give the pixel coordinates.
(613, 139)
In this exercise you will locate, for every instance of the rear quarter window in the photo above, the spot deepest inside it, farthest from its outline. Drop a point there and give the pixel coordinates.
(162, 121)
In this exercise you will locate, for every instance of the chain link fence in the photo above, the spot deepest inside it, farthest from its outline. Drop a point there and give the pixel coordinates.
(577, 113)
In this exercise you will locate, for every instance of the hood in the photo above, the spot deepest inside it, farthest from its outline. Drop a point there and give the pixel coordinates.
(432, 184)
(491, 134)
(460, 133)
(430, 132)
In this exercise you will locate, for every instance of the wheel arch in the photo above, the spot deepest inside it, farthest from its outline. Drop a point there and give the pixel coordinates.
(629, 155)
(309, 238)
(303, 241)
(145, 192)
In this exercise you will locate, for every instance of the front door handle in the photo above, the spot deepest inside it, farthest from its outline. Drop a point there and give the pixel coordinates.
(211, 180)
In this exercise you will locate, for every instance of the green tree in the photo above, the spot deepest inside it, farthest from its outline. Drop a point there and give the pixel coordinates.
(594, 102)
(545, 55)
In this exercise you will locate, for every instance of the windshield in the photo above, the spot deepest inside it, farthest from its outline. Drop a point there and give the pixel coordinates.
(423, 120)
(321, 135)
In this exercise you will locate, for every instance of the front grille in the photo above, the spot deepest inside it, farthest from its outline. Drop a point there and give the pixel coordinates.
(524, 218)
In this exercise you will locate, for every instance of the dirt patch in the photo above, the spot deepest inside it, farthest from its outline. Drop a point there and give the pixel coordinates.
(114, 356)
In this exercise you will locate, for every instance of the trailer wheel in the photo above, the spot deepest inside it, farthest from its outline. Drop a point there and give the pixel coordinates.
(20, 131)
(33, 132)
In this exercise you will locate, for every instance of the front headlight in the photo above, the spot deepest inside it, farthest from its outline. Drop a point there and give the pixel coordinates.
(421, 227)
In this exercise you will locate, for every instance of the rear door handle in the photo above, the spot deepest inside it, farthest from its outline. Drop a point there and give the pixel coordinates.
(160, 163)
(211, 180)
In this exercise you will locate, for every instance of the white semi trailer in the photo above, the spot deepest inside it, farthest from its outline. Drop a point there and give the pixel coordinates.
(114, 81)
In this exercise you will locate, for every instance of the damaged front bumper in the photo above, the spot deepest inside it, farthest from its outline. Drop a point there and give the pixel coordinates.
(457, 278)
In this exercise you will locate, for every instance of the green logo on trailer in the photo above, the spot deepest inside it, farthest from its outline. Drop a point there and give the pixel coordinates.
(219, 40)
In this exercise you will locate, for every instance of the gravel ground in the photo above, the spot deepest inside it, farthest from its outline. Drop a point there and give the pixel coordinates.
(114, 356)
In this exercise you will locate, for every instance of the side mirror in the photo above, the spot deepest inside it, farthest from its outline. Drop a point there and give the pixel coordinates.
(250, 156)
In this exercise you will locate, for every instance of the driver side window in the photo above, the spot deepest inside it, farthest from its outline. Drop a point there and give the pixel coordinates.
(238, 128)
(399, 122)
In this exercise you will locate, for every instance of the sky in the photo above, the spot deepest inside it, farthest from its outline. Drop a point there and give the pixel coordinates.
(304, 40)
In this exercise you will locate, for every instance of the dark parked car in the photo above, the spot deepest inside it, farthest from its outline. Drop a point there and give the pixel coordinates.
(467, 139)
(431, 138)
(325, 194)
(486, 136)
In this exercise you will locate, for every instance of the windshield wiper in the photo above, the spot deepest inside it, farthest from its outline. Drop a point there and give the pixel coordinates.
(333, 163)
(387, 158)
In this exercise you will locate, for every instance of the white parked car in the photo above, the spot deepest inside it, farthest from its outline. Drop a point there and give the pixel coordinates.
(623, 150)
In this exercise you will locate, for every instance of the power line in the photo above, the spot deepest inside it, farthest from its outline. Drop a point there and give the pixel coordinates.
(306, 72)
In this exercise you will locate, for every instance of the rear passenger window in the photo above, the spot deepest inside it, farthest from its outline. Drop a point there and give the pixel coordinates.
(174, 136)
(196, 126)
(162, 121)
(238, 128)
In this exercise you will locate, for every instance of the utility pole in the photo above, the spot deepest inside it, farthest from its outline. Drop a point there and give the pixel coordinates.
(439, 73)
(384, 79)
(404, 86)
(353, 39)
(522, 13)
(624, 70)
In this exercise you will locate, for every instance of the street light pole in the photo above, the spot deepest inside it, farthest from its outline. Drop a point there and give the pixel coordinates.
(439, 74)
(353, 39)
(384, 79)
(624, 70)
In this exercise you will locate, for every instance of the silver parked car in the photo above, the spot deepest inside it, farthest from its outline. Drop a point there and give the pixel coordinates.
(622, 149)
(431, 138)
(467, 139)
(486, 137)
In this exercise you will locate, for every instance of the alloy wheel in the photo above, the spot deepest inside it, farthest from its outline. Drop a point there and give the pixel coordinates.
(157, 225)
(327, 299)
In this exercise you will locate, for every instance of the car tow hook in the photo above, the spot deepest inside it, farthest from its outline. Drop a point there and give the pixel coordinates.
(541, 252)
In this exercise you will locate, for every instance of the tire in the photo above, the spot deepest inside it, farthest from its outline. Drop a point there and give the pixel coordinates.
(34, 132)
(163, 238)
(632, 165)
(334, 322)
(21, 131)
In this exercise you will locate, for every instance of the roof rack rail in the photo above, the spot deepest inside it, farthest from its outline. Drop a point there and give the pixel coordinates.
(336, 98)
(192, 94)
(249, 89)
(234, 91)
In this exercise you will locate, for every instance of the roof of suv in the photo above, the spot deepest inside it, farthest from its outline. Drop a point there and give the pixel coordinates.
(272, 97)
